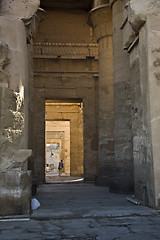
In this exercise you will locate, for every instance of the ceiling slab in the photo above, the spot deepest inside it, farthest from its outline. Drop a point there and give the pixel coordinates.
(72, 4)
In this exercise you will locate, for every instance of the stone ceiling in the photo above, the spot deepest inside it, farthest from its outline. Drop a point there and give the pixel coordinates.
(74, 4)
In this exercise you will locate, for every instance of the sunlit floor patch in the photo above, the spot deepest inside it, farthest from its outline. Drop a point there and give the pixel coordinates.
(63, 179)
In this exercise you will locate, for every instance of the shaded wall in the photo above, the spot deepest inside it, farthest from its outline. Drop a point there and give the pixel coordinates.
(141, 40)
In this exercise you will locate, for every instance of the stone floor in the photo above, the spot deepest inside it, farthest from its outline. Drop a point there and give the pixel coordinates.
(83, 211)
(55, 178)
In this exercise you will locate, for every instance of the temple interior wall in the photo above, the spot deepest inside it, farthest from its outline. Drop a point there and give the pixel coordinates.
(144, 68)
(65, 26)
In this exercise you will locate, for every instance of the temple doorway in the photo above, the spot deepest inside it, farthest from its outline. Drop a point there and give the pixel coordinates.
(63, 138)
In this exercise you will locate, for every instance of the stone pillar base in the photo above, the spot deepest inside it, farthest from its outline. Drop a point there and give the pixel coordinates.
(121, 185)
(15, 189)
(102, 181)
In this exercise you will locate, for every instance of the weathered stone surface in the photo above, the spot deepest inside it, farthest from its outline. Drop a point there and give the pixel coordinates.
(123, 179)
(19, 9)
(97, 3)
(129, 35)
(134, 17)
(15, 192)
(4, 61)
(139, 10)
(141, 126)
(12, 127)
(3, 79)
(4, 55)
(14, 159)
(87, 212)
(11, 120)
(17, 70)
(153, 30)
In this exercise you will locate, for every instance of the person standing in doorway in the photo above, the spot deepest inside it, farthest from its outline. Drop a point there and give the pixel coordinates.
(60, 167)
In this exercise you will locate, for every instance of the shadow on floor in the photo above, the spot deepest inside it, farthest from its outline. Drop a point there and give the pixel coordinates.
(82, 200)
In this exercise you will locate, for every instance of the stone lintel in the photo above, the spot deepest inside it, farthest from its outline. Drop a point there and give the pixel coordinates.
(65, 50)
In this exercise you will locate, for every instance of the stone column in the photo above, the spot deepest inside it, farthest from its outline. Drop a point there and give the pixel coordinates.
(100, 18)
(123, 180)
(15, 180)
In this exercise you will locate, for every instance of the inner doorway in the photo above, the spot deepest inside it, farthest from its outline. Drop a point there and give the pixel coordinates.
(57, 144)
(63, 139)
(52, 157)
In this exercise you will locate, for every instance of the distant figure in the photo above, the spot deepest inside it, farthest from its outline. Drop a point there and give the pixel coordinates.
(60, 167)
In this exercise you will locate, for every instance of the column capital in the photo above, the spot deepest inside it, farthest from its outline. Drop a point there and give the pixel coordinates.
(100, 18)
(112, 2)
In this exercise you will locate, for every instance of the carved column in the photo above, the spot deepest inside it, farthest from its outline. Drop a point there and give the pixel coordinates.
(100, 18)
(15, 179)
(123, 180)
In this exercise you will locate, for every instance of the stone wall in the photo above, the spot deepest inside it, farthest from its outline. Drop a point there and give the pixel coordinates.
(141, 40)
(72, 23)
(153, 30)
(15, 193)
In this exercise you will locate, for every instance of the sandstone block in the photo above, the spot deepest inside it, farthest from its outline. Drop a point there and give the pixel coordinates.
(128, 35)
(19, 9)
(139, 10)
(4, 55)
(15, 192)
(3, 79)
